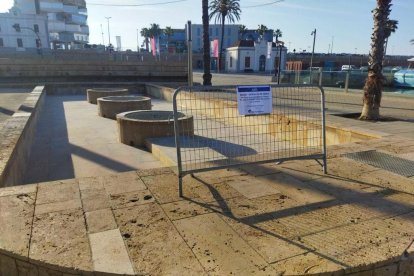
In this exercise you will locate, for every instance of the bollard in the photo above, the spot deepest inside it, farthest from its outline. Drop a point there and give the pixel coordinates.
(347, 81)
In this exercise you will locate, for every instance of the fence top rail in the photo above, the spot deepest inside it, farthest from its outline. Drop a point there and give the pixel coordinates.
(213, 88)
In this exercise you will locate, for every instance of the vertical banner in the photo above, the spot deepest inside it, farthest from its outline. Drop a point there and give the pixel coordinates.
(269, 49)
(153, 46)
(118, 43)
(214, 48)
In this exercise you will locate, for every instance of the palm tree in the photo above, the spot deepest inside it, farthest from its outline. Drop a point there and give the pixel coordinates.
(373, 84)
(145, 33)
(277, 34)
(262, 29)
(206, 44)
(168, 31)
(222, 9)
(155, 31)
(242, 31)
(390, 27)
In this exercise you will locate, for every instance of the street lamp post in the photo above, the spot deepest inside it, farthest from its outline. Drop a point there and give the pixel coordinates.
(39, 44)
(109, 34)
(313, 48)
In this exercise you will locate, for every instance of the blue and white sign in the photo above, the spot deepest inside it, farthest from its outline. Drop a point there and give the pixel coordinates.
(254, 100)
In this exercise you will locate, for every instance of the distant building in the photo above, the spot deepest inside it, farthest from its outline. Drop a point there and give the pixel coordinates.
(67, 20)
(254, 56)
(231, 35)
(176, 42)
(254, 35)
(23, 32)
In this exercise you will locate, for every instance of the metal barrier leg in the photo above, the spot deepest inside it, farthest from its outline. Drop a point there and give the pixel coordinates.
(180, 186)
(325, 165)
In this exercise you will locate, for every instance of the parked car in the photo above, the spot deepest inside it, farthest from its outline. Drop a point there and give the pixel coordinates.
(348, 67)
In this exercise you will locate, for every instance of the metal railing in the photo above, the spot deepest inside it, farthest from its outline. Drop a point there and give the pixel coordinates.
(222, 138)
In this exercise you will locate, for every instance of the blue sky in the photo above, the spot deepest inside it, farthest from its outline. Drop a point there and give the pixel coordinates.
(348, 22)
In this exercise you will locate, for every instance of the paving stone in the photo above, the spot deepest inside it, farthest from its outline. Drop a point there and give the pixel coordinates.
(94, 199)
(389, 270)
(109, 253)
(185, 208)
(164, 187)
(154, 245)
(91, 183)
(15, 223)
(100, 220)
(390, 181)
(261, 169)
(7, 265)
(219, 248)
(218, 176)
(252, 187)
(58, 206)
(26, 268)
(271, 246)
(131, 199)
(309, 263)
(123, 183)
(60, 239)
(366, 244)
(155, 171)
(57, 191)
(17, 190)
(295, 189)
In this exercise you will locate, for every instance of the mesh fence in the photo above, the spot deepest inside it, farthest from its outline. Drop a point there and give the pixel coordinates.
(217, 136)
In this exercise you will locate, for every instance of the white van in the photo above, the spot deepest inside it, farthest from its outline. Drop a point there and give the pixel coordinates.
(348, 67)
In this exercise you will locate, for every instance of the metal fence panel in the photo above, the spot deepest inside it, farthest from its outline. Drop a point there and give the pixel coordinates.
(222, 138)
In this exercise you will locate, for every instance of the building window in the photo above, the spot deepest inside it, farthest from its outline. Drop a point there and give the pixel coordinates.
(1, 42)
(217, 31)
(19, 42)
(198, 31)
(210, 32)
(36, 28)
(247, 62)
(17, 27)
(231, 62)
(229, 31)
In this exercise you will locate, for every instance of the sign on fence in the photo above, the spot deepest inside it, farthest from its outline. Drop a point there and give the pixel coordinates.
(254, 100)
(288, 124)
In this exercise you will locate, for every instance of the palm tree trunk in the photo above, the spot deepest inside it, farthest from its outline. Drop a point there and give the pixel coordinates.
(221, 41)
(146, 44)
(206, 45)
(373, 84)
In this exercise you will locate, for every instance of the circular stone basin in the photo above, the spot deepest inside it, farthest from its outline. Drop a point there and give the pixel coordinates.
(94, 93)
(108, 107)
(136, 126)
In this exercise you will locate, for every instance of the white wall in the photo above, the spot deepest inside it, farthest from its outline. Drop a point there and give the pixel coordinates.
(10, 35)
(240, 53)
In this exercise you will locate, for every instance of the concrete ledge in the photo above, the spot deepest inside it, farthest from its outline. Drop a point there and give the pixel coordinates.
(16, 138)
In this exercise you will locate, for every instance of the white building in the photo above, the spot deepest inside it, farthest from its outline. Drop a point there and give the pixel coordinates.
(22, 32)
(254, 56)
(231, 35)
(67, 20)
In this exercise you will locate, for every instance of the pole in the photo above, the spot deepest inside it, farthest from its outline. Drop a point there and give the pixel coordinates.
(313, 48)
(103, 40)
(109, 34)
(280, 63)
(190, 54)
(332, 44)
(137, 40)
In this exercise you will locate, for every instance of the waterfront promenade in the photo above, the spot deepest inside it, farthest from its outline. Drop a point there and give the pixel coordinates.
(286, 219)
